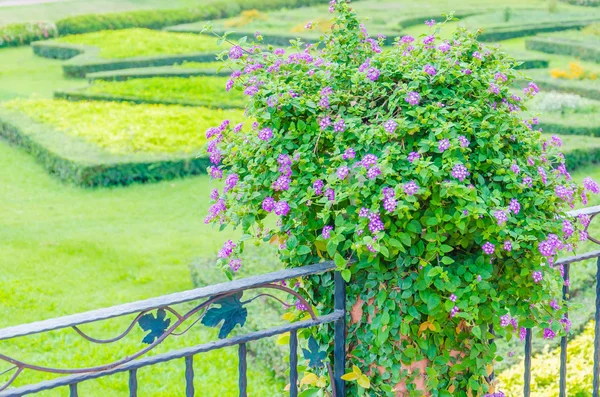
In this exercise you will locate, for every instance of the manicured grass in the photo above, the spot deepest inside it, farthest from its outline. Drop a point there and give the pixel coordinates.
(129, 43)
(204, 90)
(22, 74)
(67, 250)
(124, 128)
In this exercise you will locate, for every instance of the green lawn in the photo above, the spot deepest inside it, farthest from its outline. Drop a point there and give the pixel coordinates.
(67, 250)
(23, 74)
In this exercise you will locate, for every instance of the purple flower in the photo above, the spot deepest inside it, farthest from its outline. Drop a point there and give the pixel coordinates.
(514, 206)
(227, 249)
(411, 188)
(477, 55)
(407, 39)
(339, 126)
(365, 65)
(251, 90)
(494, 89)
(501, 217)
(349, 154)
(412, 156)
(443, 145)
(214, 194)
(542, 174)
(369, 160)
(537, 277)
(428, 39)
(584, 220)
(505, 320)
(373, 173)
(229, 85)
(464, 142)
(265, 134)
(272, 101)
(567, 228)
(324, 123)
(430, 23)
(413, 98)
(330, 194)
(454, 311)
(238, 127)
(453, 297)
(363, 212)
(318, 186)
(230, 182)
(309, 25)
(375, 224)
(522, 333)
(279, 51)
(507, 246)
(444, 47)
(528, 181)
(515, 168)
(566, 323)
(500, 77)
(342, 172)
(390, 126)
(388, 192)
(216, 173)
(430, 70)
(268, 204)
(373, 74)
(236, 52)
(554, 304)
(460, 172)
(324, 102)
(590, 185)
(549, 334)
(467, 71)
(326, 233)
(282, 208)
(235, 264)
(488, 248)
(282, 183)
(389, 204)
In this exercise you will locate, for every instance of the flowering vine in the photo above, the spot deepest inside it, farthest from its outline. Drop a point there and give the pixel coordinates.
(411, 169)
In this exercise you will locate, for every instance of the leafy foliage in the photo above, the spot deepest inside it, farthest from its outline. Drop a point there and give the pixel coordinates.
(129, 43)
(231, 312)
(155, 326)
(415, 163)
(125, 128)
(24, 33)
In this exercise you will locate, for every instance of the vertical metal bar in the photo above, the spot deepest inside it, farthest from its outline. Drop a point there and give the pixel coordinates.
(596, 388)
(293, 364)
(189, 376)
(242, 366)
(339, 348)
(133, 383)
(527, 375)
(564, 340)
(73, 390)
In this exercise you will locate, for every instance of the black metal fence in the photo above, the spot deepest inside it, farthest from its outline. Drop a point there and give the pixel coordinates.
(151, 316)
(591, 212)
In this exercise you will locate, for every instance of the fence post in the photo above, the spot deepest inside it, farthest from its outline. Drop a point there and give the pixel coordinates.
(596, 385)
(339, 349)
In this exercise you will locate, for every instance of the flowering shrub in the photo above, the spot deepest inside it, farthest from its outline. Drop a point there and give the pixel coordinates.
(24, 33)
(575, 72)
(411, 169)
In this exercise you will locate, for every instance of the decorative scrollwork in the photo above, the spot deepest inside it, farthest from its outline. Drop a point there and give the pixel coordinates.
(231, 311)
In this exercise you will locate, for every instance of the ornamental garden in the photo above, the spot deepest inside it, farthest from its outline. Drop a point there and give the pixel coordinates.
(420, 147)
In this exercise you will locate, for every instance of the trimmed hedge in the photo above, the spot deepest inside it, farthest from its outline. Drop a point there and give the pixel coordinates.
(530, 29)
(157, 19)
(584, 50)
(280, 39)
(159, 71)
(586, 3)
(76, 161)
(585, 88)
(569, 129)
(17, 34)
(85, 59)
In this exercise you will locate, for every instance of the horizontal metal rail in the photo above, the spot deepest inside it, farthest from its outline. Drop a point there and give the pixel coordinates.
(163, 301)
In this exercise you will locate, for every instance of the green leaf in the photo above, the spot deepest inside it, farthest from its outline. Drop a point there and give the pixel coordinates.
(346, 275)
(339, 260)
(477, 332)
(303, 250)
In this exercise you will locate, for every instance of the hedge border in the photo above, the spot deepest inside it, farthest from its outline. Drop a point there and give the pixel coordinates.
(79, 94)
(150, 72)
(511, 32)
(583, 3)
(78, 162)
(563, 129)
(85, 59)
(574, 48)
(547, 83)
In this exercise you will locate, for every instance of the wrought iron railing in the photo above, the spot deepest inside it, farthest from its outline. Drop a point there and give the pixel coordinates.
(151, 316)
(566, 262)
(221, 306)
